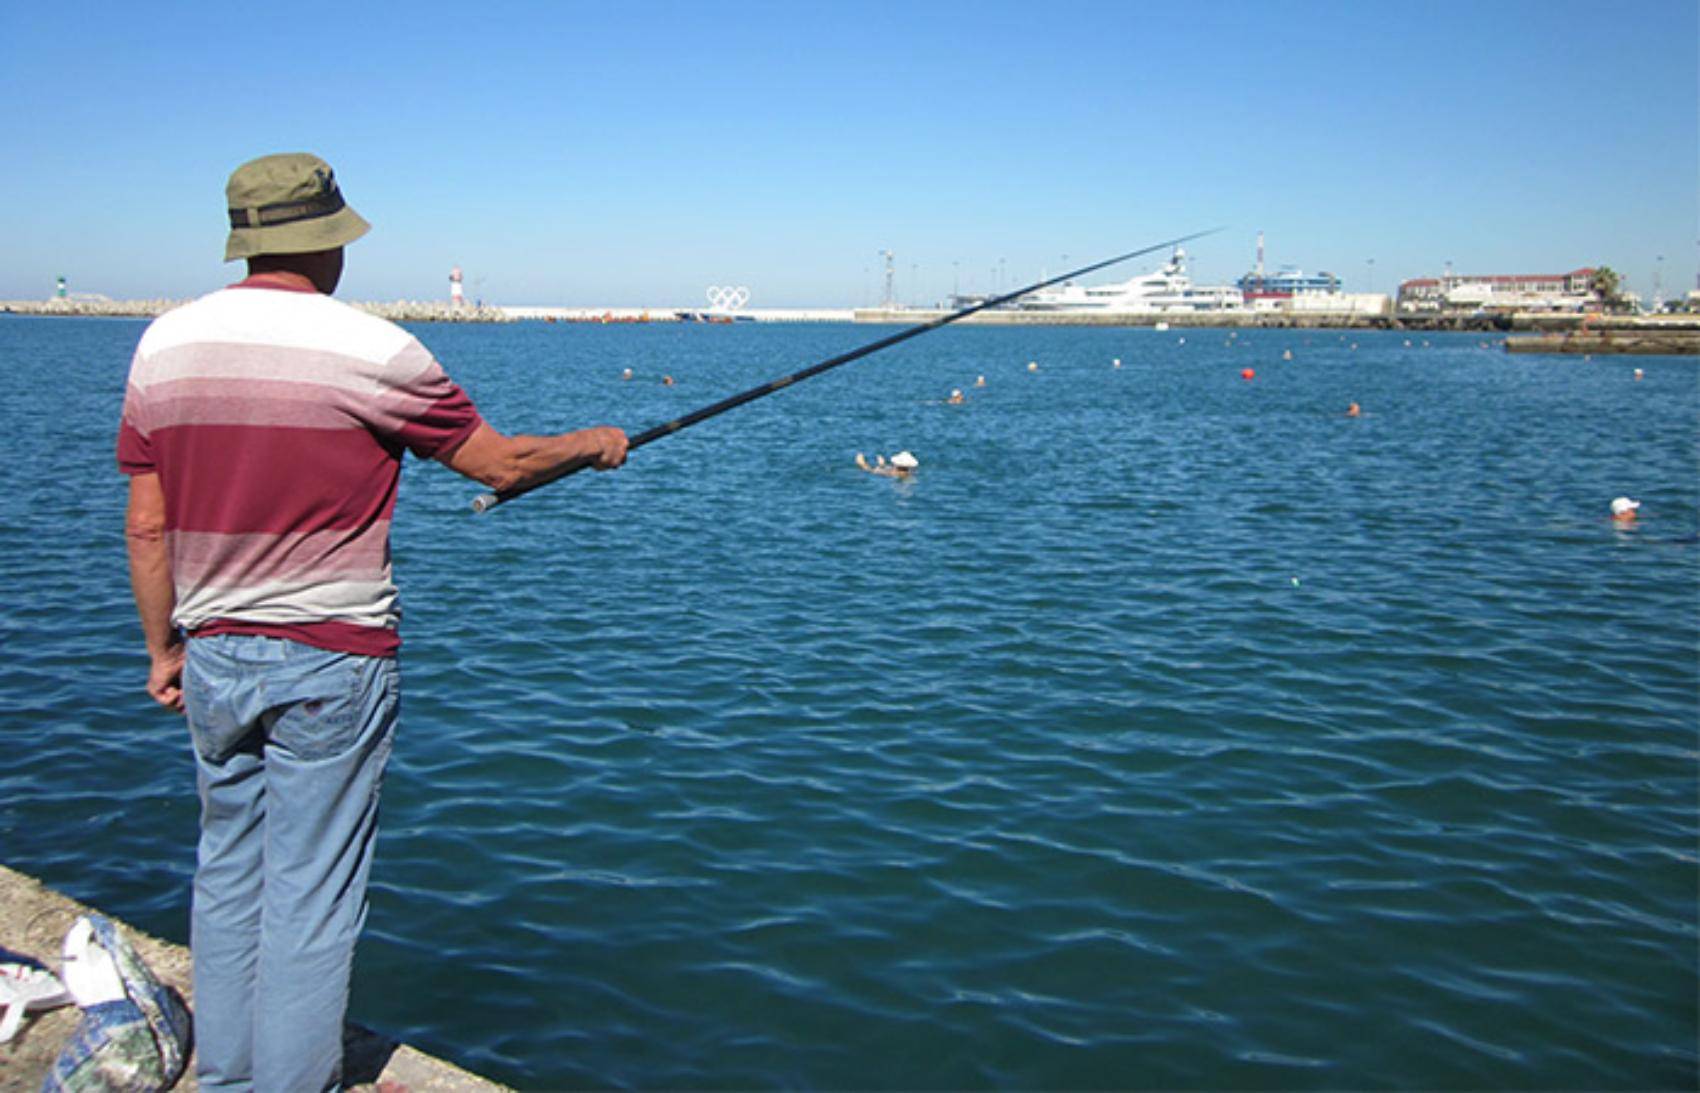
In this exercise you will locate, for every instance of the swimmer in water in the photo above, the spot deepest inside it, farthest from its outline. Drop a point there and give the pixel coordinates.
(667, 381)
(955, 398)
(902, 465)
(1623, 510)
(626, 375)
(1354, 410)
(981, 382)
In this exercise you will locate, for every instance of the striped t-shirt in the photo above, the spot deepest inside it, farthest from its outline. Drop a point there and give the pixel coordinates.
(276, 420)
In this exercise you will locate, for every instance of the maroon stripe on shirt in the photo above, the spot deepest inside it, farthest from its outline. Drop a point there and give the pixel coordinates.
(276, 283)
(245, 478)
(135, 454)
(335, 637)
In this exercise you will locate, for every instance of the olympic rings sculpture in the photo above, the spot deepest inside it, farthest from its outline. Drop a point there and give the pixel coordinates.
(727, 297)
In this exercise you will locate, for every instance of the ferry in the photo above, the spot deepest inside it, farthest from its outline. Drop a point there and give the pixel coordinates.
(1286, 283)
(1169, 289)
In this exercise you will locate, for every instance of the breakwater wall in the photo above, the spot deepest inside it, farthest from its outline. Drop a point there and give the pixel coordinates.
(1665, 329)
(1177, 321)
(1504, 323)
(1640, 342)
(401, 311)
(33, 922)
(416, 311)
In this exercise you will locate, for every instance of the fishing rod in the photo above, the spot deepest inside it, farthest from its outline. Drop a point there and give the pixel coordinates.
(484, 502)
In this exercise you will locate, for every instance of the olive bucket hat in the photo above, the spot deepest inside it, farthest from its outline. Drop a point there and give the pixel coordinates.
(287, 204)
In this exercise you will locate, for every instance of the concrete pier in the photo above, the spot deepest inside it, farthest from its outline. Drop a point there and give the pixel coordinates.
(1642, 341)
(1234, 319)
(33, 921)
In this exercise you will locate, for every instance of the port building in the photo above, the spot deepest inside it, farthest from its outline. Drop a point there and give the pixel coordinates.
(1573, 291)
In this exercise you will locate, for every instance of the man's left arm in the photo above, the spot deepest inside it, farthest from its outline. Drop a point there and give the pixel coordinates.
(156, 595)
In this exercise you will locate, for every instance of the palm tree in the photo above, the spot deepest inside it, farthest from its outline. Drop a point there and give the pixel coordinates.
(1607, 286)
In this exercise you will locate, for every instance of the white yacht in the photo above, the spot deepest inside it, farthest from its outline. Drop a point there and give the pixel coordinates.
(1169, 289)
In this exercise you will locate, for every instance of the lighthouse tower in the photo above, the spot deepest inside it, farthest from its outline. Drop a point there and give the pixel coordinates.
(457, 296)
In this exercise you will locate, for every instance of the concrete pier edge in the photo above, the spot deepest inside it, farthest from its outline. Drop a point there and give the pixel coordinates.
(33, 921)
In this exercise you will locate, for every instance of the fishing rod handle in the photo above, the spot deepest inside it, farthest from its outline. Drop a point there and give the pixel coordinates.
(489, 499)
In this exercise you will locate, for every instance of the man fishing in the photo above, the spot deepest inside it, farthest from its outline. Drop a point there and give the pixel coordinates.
(262, 433)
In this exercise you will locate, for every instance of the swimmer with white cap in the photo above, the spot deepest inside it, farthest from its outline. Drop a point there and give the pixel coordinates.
(1623, 510)
(902, 465)
(955, 398)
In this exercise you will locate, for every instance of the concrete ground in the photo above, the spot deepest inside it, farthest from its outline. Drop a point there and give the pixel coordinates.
(33, 921)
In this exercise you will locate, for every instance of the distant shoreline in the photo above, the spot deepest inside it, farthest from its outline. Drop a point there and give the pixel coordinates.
(1678, 334)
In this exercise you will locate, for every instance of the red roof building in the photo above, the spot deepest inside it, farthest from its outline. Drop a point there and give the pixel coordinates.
(1573, 291)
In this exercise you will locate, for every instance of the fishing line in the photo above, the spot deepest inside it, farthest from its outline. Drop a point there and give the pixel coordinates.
(487, 501)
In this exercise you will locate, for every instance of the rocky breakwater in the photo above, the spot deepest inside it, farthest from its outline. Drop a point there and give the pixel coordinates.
(415, 311)
(400, 311)
(103, 309)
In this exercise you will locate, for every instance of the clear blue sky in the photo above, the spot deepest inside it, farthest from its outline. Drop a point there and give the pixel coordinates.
(633, 153)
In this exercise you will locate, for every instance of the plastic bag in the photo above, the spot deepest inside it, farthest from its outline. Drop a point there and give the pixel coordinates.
(134, 1036)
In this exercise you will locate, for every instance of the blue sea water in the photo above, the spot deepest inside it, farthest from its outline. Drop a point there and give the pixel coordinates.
(1167, 730)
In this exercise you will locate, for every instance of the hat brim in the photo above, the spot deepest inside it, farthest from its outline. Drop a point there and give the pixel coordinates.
(297, 237)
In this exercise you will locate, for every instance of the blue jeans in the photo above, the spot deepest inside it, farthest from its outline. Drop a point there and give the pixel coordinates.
(290, 747)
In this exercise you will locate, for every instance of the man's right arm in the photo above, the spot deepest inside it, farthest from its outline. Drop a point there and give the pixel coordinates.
(514, 462)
